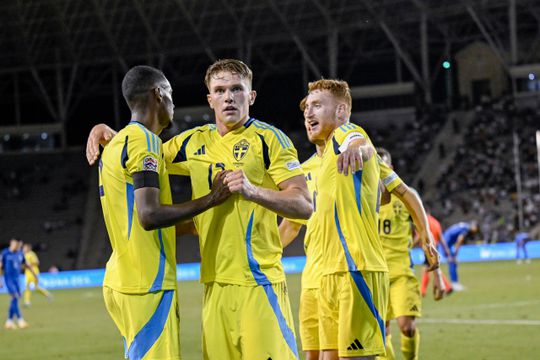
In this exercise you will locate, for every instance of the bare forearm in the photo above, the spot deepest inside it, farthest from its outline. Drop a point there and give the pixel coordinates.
(414, 206)
(288, 230)
(162, 216)
(292, 203)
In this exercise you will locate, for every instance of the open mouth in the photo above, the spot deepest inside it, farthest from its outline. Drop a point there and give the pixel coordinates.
(229, 109)
(314, 126)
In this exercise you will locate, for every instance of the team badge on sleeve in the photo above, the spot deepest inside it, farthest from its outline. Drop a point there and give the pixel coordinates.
(150, 163)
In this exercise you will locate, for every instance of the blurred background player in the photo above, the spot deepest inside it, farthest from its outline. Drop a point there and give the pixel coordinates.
(32, 262)
(12, 264)
(521, 239)
(455, 236)
(404, 304)
(436, 230)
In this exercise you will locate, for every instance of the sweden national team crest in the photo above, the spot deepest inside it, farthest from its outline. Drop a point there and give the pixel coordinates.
(240, 149)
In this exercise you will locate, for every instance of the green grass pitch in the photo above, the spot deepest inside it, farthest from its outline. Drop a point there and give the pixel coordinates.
(497, 317)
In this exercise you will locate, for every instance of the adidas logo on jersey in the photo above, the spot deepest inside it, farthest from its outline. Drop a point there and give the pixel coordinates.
(201, 151)
(355, 345)
(414, 308)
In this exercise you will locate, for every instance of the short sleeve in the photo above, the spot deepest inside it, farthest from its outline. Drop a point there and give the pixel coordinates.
(389, 177)
(283, 157)
(142, 153)
(175, 156)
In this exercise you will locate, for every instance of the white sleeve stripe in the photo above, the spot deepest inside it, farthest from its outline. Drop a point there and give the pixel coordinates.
(352, 136)
(388, 180)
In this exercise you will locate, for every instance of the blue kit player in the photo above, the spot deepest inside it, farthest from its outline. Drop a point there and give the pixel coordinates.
(455, 237)
(12, 263)
(521, 239)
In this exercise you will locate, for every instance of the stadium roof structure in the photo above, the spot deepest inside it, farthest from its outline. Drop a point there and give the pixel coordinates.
(63, 50)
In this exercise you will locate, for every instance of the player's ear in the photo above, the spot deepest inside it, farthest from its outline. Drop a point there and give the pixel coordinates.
(209, 99)
(157, 94)
(252, 96)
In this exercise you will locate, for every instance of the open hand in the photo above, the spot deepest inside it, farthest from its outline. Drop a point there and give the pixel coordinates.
(100, 134)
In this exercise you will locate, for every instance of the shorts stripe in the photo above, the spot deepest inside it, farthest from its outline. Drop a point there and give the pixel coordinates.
(150, 332)
(368, 298)
(262, 280)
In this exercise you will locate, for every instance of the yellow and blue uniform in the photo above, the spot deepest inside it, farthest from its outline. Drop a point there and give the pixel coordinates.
(354, 286)
(32, 262)
(239, 240)
(396, 235)
(140, 277)
(311, 275)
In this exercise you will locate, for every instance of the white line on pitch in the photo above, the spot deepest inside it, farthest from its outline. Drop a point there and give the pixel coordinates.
(487, 306)
(481, 322)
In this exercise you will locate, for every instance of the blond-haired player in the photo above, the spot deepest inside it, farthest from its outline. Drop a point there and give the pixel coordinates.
(32, 261)
(354, 286)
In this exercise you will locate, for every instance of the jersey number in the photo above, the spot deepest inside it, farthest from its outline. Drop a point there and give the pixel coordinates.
(386, 226)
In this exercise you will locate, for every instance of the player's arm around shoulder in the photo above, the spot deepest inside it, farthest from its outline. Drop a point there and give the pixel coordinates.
(354, 147)
(101, 134)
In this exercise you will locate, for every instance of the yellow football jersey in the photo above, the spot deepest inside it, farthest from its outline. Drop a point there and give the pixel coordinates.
(396, 235)
(32, 261)
(142, 261)
(239, 239)
(311, 275)
(348, 208)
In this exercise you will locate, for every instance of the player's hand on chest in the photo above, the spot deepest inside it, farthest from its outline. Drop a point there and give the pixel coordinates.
(242, 155)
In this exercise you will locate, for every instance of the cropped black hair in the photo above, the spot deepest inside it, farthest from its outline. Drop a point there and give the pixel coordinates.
(138, 81)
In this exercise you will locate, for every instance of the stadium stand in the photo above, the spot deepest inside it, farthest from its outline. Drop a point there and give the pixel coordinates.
(43, 197)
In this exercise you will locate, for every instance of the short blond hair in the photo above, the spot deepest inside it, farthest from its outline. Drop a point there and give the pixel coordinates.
(339, 88)
(230, 65)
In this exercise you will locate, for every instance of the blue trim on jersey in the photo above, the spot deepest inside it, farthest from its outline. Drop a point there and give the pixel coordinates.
(357, 179)
(266, 156)
(282, 138)
(249, 122)
(368, 298)
(350, 261)
(335, 144)
(262, 280)
(411, 265)
(145, 130)
(181, 155)
(126, 353)
(347, 127)
(130, 196)
(378, 199)
(152, 330)
(101, 191)
(158, 282)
